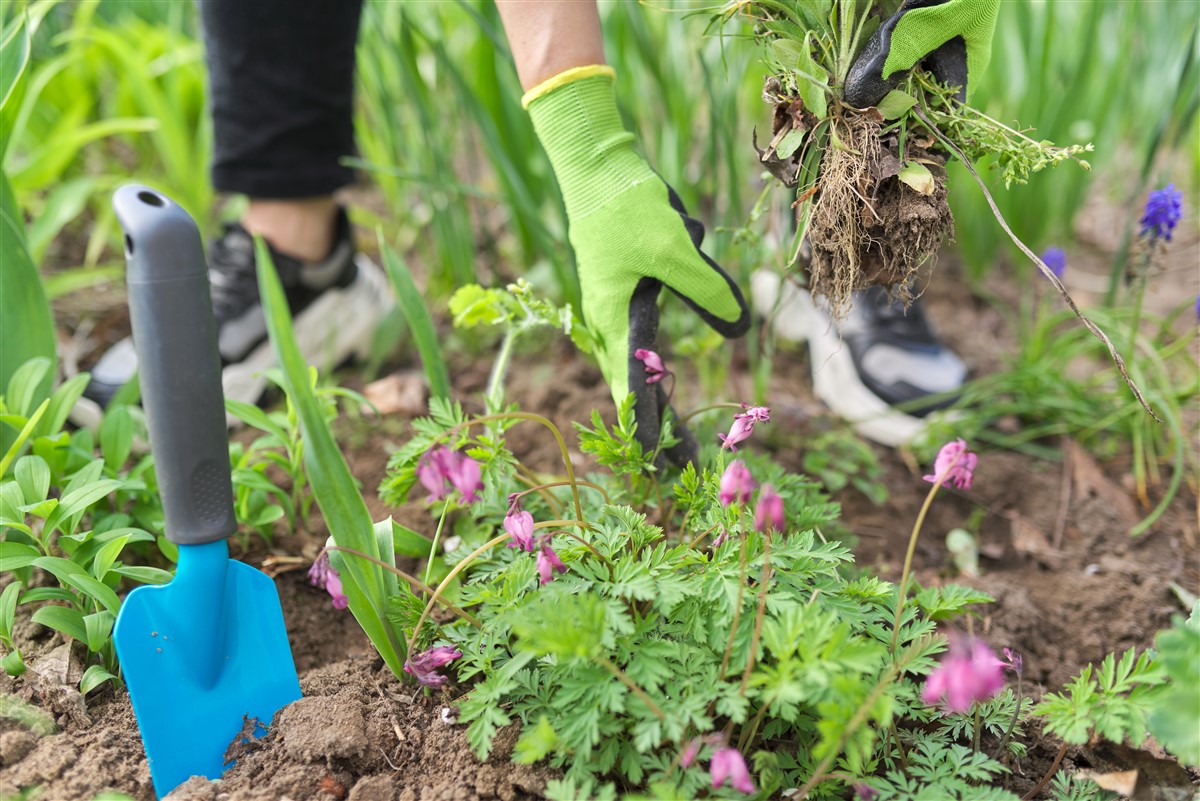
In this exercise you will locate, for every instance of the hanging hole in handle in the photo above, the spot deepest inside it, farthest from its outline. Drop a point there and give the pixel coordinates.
(128, 245)
(150, 199)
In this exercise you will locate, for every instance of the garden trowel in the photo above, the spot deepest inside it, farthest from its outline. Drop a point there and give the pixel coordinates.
(206, 655)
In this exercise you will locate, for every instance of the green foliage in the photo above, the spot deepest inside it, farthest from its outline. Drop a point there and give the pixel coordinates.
(1069, 787)
(1111, 702)
(839, 458)
(938, 771)
(417, 317)
(1172, 718)
(74, 509)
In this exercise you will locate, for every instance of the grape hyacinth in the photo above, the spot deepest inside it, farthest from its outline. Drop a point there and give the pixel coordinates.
(1164, 208)
(1056, 260)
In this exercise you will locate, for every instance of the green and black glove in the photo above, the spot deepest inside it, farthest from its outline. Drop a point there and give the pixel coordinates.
(952, 37)
(631, 236)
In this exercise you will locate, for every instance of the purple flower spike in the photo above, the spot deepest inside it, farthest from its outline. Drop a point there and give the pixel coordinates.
(655, 371)
(768, 515)
(955, 464)
(548, 561)
(727, 763)
(424, 665)
(969, 672)
(322, 574)
(1164, 208)
(519, 525)
(736, 483)
(1056, 260)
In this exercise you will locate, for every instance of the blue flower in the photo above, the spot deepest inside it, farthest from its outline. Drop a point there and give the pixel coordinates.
(1056, 260)
(1164, 207)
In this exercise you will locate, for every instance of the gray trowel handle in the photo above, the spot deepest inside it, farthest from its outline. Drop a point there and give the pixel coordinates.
(178, 363)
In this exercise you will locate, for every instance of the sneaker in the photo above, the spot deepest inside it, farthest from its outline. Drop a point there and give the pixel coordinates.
(335, 304)
(881, 356)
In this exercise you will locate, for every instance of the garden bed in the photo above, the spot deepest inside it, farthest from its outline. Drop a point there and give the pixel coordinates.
(1070, 585)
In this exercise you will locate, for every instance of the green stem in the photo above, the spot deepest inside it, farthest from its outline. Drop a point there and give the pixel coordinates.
(1012, 724)
(763, 583)
(437, 535)
(413, 582)
(437, 594)
(494, 394)
(636, 690)
(912, 548)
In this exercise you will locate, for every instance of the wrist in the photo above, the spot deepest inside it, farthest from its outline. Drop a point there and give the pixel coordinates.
(576, 119)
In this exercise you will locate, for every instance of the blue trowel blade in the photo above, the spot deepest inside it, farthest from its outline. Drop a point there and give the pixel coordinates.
(198, 661)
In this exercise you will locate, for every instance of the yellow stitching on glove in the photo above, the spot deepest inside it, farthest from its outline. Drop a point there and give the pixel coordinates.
(564, 78)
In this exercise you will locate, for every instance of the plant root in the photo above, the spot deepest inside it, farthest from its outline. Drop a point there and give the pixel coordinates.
(868, 228)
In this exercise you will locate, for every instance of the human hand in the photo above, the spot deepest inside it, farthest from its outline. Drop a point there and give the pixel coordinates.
(952, 37)
(631, 236)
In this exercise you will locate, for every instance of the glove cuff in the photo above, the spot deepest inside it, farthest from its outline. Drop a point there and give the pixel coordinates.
(575, 116)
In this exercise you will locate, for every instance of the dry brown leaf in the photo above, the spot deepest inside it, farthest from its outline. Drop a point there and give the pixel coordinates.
(1028, 540)
(1090, 481)
(398, 393)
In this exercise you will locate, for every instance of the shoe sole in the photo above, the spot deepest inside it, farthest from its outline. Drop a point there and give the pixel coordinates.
(794, 317)
(357, 308)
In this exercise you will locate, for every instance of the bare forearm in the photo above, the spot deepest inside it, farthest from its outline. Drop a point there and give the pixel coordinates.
(550, 36)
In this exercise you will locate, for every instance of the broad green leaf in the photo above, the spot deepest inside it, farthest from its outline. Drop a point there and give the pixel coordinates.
(78, 500)
(116, 436)
(424, 334)
(98, 626)
(12, 663)
(536, 742)
(918, 177)
(895, 103)
(14, 56)
(77, 578)
(93, 677)
(406, 541)
(144, 575)
(64, 204)
(787, 52)
(24, 382)
(39, 594)
(14, 555)
(62, 619)
(812, 80)
(8, 609)
(790, 143)
(33, 476)
(333, 485)
(107, 556)
(252, 415)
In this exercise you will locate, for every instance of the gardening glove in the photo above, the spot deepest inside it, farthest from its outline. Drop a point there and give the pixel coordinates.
(952, 37)
(631, 236)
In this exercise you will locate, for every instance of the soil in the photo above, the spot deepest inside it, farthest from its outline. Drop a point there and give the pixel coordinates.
(1070, 586)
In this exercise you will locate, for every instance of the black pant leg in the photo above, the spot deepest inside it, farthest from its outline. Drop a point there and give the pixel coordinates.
(281, 76)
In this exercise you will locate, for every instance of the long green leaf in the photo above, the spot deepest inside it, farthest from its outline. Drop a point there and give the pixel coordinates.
(419, 322)
(333, 485)
(63, 620)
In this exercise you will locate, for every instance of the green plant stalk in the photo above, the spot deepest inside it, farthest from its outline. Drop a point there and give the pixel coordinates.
(902, 590)
(1012, 724)
(632, 685)
(437, 535)
(494, 394)
(413, 581)
(441, 588)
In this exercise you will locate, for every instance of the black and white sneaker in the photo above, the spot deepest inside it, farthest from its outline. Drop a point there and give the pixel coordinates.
(880, 357)
(335, 303)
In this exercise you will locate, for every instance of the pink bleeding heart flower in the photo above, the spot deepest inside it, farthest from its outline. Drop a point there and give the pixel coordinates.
(690, 751)
(736, 483)
(467, 477)
(969, 672)
(322, 574)
(424, 665)
(727, 763)
(441, 468)
(743, 425)
(768, 515)
(547, 561)
(519, 525)
(655, 371)
(954, 463)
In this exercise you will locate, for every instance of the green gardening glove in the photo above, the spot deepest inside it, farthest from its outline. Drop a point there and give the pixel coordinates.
(631, 236)
(952, 37)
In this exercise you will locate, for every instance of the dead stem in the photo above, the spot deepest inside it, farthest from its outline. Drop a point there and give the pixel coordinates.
(1049, 774)
(1046, 271)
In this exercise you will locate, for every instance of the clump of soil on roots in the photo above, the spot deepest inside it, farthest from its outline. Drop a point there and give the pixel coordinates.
(867, 227)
